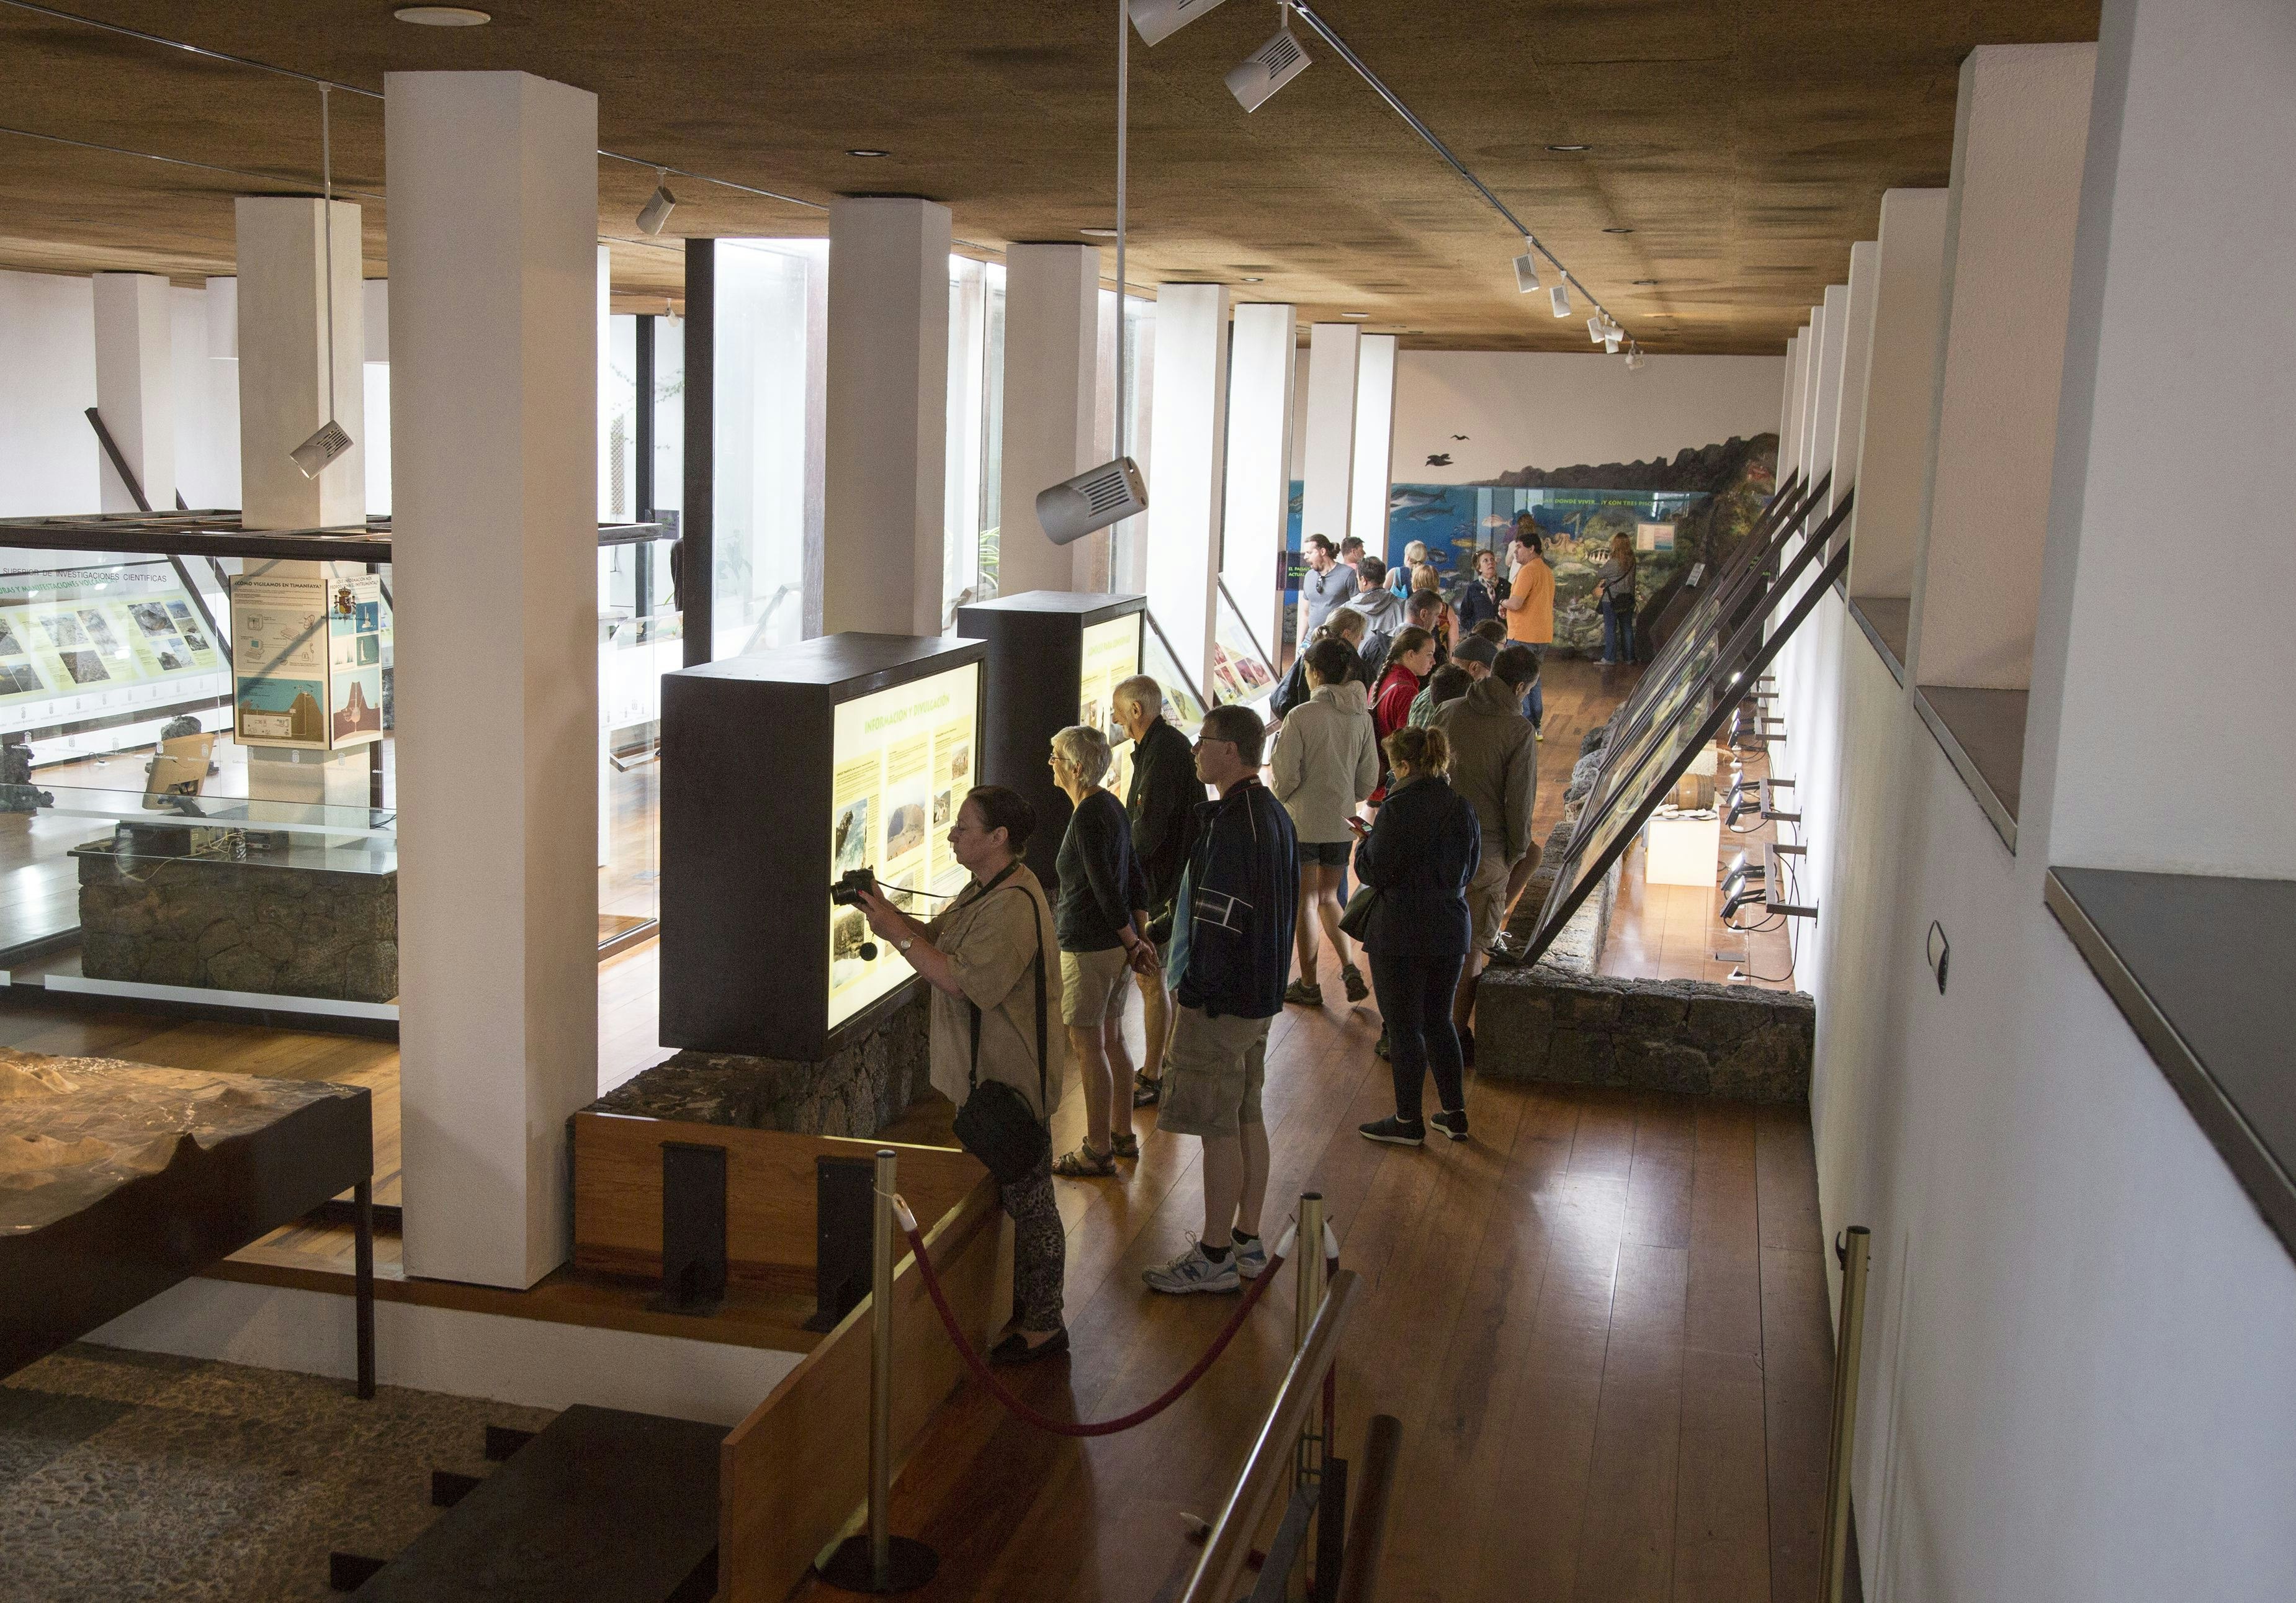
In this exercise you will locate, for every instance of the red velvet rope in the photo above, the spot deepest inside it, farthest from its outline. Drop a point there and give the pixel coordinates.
(1105, 1427)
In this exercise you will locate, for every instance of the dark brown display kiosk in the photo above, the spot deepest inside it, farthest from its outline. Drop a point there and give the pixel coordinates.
(779, 772)
(1054, 659)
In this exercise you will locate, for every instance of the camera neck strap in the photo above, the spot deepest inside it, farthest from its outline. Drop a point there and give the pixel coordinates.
(1037, 970)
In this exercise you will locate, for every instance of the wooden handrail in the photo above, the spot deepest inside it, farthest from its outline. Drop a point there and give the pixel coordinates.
(1229, 1543)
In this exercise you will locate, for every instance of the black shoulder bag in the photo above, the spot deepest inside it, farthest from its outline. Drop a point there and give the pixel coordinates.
(996, 1124)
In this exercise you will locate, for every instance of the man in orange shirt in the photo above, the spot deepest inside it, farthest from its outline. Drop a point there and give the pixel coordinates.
(1529, 608)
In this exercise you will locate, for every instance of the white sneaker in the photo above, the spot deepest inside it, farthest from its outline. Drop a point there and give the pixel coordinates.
(1193, 1271)
(1250, 1258)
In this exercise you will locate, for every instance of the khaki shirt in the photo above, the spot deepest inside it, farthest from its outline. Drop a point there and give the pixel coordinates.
(990, 942)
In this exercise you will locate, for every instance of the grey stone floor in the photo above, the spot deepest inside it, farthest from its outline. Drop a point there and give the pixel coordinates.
(135, 1476)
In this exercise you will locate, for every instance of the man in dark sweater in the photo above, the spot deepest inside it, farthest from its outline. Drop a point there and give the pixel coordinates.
(1162, 802)
(1231, 955)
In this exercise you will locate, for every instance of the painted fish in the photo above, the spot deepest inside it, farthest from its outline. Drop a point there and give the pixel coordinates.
(1403, 499)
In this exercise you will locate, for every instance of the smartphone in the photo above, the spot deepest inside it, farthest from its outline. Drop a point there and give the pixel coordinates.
(1358, 825)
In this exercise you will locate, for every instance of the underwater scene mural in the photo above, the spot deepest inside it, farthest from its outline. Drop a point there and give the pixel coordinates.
(1711, 499)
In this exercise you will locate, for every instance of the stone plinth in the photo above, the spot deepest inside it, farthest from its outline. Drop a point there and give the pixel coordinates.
(865, 1085)
(283, 921)
(1685, 1036)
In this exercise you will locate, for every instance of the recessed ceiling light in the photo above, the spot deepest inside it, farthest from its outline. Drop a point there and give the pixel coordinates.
(1098, 233)
(1617, 230)
(1565, 149)
(1248, 279)
(868, 154)
(1354, 314)
(443, 16)
(1643, 284)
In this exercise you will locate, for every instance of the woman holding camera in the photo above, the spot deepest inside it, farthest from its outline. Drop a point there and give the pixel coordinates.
(1419, 856)
(996, 990)
(1101, 921)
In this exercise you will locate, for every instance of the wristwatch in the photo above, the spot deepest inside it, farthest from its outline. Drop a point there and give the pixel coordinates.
(903, 943)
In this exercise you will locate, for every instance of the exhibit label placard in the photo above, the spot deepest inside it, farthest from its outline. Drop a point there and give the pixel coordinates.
(1111, 656)
(309, 642)
(901, 761)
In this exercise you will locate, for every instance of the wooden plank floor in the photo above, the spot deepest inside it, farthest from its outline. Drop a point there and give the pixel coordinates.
(1602, 1320)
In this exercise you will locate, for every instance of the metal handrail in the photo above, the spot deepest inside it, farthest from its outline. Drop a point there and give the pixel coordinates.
(1367, 1525)
(1229, 1543)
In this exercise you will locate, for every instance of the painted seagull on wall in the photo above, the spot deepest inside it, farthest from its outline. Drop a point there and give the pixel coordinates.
(1439, 459)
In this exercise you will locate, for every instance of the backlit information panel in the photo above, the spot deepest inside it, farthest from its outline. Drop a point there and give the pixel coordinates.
(1111, 655)
(901, 762)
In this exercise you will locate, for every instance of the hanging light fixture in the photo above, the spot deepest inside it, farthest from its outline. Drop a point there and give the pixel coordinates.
(1255, 80)
(655, 212)
(1159, 19)
(1526, 267)
(1560, 295)
(331, 439)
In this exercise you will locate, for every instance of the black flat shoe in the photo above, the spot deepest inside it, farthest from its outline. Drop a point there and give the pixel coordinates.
(1014, 1349)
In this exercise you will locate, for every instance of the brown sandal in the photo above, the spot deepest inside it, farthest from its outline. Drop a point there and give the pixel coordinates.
(1124, 1147)
(1085, 1165)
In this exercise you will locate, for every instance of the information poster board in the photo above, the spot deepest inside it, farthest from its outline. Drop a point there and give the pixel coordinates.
(1111, 656)
(67, 633)
(901, 761)
(309, 643)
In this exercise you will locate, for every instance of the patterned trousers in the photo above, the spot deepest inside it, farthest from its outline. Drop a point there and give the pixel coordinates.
(1040, 1249)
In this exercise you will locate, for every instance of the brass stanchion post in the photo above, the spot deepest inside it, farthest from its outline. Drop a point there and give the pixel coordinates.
(880, 1562)
(1847, 1343)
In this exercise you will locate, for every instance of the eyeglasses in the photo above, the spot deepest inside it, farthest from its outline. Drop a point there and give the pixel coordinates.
(1204, 740)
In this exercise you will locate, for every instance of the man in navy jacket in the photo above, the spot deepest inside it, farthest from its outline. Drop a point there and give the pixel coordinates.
(1231, 955)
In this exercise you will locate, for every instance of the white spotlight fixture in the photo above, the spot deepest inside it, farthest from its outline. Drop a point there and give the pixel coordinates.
(1560, 294)
(1635, 360)
(1526, 268)
(331, 440)
(1257, 78)
(1159, 19)
(1611, 340)
(1595, 330)
(655, 213)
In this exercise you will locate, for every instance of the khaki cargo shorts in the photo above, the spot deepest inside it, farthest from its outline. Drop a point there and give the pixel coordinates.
(1213, 1072)
(1092, 987)
(1486, 899)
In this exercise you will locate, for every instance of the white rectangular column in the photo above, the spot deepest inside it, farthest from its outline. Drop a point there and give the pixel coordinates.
(1188, 420)
(2020, 139)
(1813, 366)
(1789, 451)
(1260, 365)
(1375, 441)
(1785, 410)
(1825, 394)
(1052, 334)
(493, 206)
(135, 386)
(888, 416)
(1334, 353)
(284, 303)
(1856, 357)
(1894, 444)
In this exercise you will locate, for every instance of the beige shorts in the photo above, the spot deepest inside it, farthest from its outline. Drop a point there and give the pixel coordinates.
(1092, 987)
(1486, 899)
(1213, 1072)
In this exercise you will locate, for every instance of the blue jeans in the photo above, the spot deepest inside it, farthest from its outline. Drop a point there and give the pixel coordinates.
(1617, 632)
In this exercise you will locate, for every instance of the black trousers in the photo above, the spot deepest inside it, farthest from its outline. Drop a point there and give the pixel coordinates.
(1414, 1001)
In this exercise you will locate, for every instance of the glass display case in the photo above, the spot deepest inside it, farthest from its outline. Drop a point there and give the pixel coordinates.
(197, 758)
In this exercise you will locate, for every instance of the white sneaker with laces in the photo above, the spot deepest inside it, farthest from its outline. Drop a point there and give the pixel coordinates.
(1194, 1271)
(1250, 1258)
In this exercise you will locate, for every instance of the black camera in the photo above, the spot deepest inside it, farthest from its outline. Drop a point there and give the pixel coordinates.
(846, 889)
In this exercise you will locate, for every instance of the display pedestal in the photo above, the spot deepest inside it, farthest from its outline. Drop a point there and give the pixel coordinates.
(872, 1078)
(1056, 658)
(289, 918)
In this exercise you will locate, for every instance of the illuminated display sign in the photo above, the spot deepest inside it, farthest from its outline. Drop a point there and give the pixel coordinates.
(1111, 656)
(901, 761)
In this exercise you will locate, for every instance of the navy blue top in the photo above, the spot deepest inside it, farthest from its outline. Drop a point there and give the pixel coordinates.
(1101, 885)
(1422, 850)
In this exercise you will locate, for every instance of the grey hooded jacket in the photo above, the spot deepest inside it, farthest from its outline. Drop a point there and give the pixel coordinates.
(1494, 763)
(1326, 760)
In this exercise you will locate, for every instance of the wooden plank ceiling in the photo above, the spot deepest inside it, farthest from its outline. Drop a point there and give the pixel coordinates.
(1736, 150)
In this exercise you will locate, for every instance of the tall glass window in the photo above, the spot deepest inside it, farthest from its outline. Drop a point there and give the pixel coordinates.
(974, 473)
(1127, 566)
(760, 478)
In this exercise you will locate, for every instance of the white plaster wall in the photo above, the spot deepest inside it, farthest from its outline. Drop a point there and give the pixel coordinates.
(2189, 211)
(1900, 393)
(1551, 409)
(47, 349)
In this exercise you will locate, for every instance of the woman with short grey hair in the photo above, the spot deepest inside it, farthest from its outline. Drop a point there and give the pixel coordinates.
(1102, 922)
